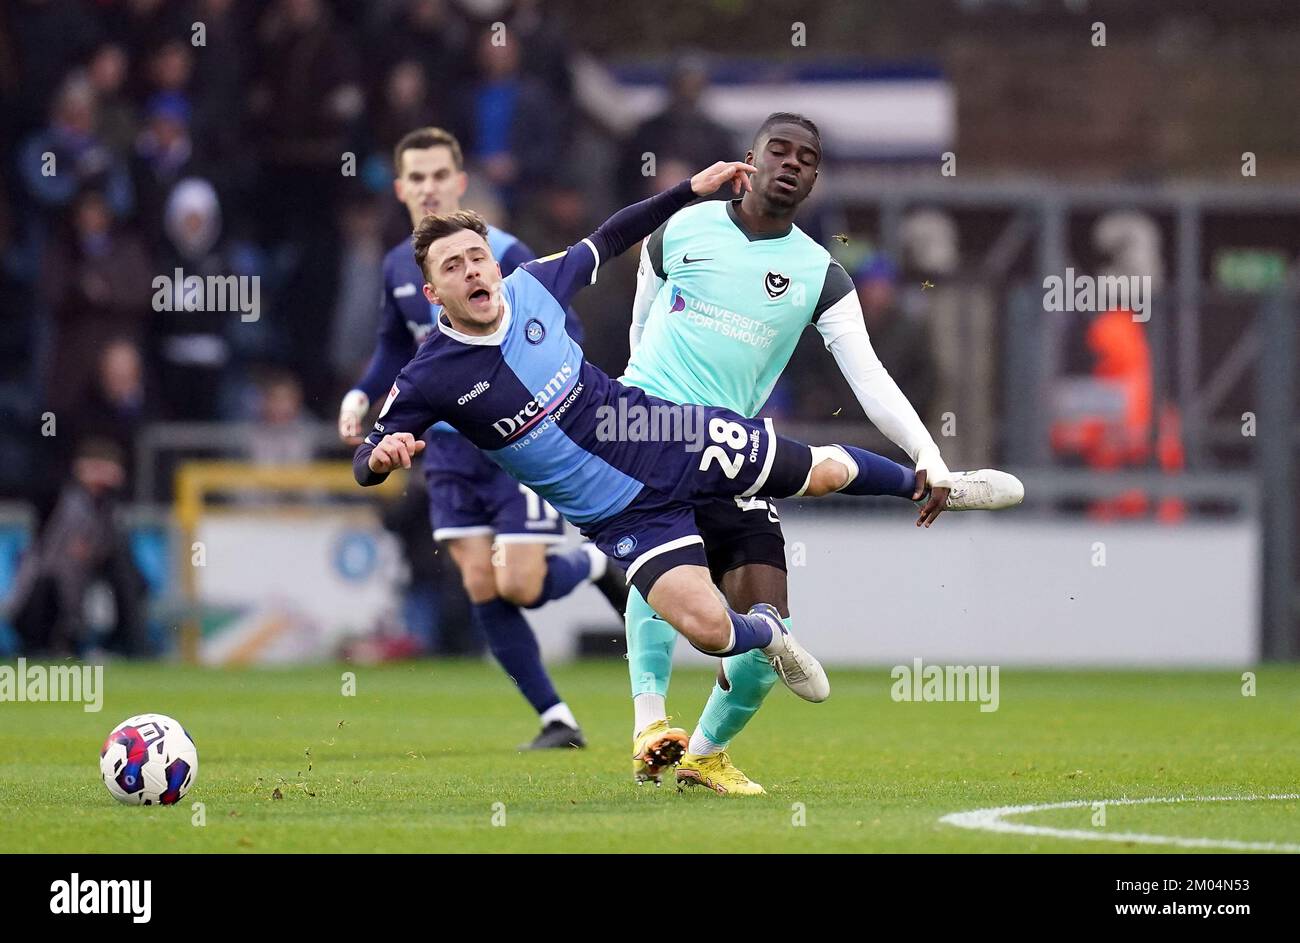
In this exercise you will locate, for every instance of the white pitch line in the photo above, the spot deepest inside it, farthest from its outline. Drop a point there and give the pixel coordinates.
(992, 820)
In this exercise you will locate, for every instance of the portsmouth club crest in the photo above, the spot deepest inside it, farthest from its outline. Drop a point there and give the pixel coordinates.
(534, 332)
(776, 284)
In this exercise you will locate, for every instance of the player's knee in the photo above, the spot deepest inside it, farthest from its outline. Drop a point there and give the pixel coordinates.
(827, 477)
(520, 585)
(709, 630)
(479, 580)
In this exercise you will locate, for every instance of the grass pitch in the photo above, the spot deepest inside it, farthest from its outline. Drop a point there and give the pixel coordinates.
(423, 759)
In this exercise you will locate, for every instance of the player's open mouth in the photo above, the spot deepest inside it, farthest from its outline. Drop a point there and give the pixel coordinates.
(480, 295)
(788, 181)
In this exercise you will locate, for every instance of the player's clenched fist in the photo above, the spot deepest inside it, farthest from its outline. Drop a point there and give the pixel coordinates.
(393, 451)
(710, 179)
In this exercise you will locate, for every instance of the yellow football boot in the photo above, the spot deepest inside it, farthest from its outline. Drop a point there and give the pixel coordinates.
(716, 772)
(655, 749)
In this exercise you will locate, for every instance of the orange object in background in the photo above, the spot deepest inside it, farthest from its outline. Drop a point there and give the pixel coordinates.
(1107, 443)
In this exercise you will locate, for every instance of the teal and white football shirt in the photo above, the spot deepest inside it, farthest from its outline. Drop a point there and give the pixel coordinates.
(719, 310)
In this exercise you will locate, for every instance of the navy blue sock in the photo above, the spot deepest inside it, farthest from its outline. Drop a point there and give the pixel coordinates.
(751, 632)
(513, 645)
(565, 572)
(879, 475)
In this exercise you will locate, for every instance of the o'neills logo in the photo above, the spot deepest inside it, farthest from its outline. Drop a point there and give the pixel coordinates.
(536, 407)
(482, 386)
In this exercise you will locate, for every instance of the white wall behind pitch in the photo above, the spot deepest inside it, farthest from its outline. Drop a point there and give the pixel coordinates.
(994, 589)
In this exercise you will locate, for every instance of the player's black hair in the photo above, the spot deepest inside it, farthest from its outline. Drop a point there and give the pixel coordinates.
(789, 117)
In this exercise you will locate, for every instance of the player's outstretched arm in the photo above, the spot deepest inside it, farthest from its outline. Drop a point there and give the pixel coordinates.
(395, 440)
(633, 223)
(843, 329)
(566, 273)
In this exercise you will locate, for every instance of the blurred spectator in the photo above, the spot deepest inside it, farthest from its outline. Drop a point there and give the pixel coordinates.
(432, 33)
(406, 104)
(96, 286)
(304, 98)
(60, 160)
(682, 131)
(107, 71)
(217, 90)
(559, 215)
(163, 155)
(170, 68)
(544, 35)
(79, 547)
(902, 340)
(425, 31)
(1122, 438)
(192, 350)
(516, 126)
(361, 285)
(282, 436)
(116, 407)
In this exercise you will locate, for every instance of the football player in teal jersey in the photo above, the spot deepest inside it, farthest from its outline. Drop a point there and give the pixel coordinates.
(724, 291)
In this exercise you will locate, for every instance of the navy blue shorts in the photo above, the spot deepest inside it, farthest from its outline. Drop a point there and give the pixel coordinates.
(469, 495)
(740, 531)
(658, 531)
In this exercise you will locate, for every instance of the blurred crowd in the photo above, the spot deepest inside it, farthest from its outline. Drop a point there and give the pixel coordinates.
(231, 137)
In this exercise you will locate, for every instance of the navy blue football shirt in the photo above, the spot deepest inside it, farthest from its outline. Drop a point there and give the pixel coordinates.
(525, 394)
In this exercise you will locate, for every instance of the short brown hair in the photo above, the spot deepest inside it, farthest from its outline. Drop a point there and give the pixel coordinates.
(434, 227)
(422, 138)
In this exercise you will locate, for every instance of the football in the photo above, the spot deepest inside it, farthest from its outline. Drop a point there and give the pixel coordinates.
(149, 759)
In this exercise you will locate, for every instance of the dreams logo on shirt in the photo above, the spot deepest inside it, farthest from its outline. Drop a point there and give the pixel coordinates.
(510, 426)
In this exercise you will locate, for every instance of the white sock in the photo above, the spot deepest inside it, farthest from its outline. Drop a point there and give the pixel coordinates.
(561, 713)
(648, 708)
(821, 453)
(731, 643)
(701, 745)
(599, 562)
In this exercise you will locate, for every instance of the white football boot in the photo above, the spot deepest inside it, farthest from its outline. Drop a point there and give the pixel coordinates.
(802, 673)
(985, 489)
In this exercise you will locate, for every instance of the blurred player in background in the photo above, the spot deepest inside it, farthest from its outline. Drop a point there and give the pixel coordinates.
(496, 529)
(724, 291)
